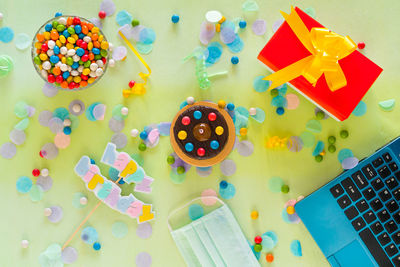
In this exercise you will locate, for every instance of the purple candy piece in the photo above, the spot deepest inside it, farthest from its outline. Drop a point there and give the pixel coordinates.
(56, 214)
(259, 27)
(108, 6)
(207, 32)
(227, 35)
(349, 163)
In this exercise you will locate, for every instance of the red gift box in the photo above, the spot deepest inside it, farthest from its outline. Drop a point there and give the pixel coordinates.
(284, 48)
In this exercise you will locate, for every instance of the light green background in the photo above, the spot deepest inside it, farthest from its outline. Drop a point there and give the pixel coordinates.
(374, 22)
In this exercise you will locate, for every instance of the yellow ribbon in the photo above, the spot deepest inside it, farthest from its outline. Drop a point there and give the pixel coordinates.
(138, 88)
(326, 49)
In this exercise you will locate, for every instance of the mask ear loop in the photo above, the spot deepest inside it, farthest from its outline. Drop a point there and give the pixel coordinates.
(187, 204)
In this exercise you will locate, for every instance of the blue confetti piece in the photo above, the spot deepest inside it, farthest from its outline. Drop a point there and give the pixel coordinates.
(267, 243)
(260, 115)
(195, 211)
(214, 53)
(113, 174)
(61, 113)
(228, 24)
(24, 184)
(6, 34)
(89, 235)
(261, 85)
(147, 36)
(282, 89)
(237, 45)
(360, 109)
(242, 111)
(89, 112)
(344, 154)
(295, 248)
(272, 235)
(228, 192)
(164, 128)
(279, 101)
(319, 147)
(144, 49)
(123, 17)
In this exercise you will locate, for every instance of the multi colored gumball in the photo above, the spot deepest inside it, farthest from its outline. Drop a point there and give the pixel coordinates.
(70, 52)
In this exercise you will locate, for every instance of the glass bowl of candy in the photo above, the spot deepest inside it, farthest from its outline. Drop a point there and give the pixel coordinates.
(70, 52)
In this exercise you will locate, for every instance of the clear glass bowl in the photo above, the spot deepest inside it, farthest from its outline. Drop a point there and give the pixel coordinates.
(38, 70)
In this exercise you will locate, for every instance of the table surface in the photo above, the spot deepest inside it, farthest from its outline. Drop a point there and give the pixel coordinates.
(373, 22)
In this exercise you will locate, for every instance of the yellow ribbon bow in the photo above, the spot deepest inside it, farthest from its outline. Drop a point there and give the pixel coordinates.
(326, 49)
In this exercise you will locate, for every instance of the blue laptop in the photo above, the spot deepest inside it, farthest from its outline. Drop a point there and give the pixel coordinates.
(355, 218)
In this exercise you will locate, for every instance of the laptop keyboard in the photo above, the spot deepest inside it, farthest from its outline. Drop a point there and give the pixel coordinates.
(369, 199)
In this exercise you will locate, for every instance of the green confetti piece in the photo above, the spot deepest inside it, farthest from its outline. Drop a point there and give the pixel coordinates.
(308, 139)
(387, 105)
(250, 5)
(144, 48)
(116, 113)
(275, 184)
(314, 126)
(35, 193)
(22, 125)
(119, 229)
(21, 110)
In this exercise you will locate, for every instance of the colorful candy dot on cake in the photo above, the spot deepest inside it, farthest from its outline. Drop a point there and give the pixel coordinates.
(182, 135)
(189, 147)
(36, 172)
(230, 106)
(242, 24)
(134, 132)
(185, 120)
(197, 115)
(234, 60)
(219, 130)
(190, 100)
(201, 151)
(254, 214)
(212, 116)
(214, 144)
(258, 239)
(221, 104)
(175, 18)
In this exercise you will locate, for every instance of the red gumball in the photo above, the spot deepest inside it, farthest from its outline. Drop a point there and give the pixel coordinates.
(201, 152)
(51, 78)
(131, 84)
(71, 85)
(59, 79)
(258, 239)
(212, 116)
(85, 58)
(102, 14)
(79, 42)
(84, 77)
(36, 172)
(45, 47)
(84, 45)
(76, 21)
(104, 60)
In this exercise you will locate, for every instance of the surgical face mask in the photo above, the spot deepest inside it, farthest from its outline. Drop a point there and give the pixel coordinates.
(213, 240)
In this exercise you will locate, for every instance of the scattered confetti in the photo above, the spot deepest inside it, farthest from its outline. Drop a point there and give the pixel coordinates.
(277, 24)
(17, 137)
(123, 17)
(144, 230)
(89, 235)
(108, 6)
(56, 214)
(228, 192)
(76, 200)
(344, 154)
(44, 182)
(292, 101)
(245, 148)
(295, 248)
(120, 229)
(208, 201)
(314, 126)
(204, 171)
(308, 139)
(6, 34)
(24, 184)
(349, 163)
(195, 212)
(228, 167)
(360, 109)
(387, 105)
(8, 150)
(69, 255)
(120, 140)
(275, 184)
(143, 259)
(259, 27)
(35, 193)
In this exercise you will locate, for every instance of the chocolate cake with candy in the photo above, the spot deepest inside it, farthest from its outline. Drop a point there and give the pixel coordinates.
(202, 134)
